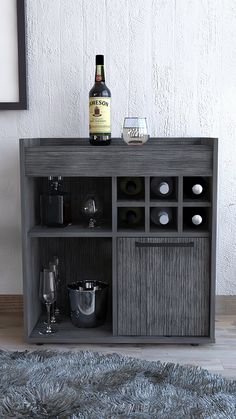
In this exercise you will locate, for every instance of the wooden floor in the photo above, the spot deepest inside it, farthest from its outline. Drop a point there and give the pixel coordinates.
(217, 358)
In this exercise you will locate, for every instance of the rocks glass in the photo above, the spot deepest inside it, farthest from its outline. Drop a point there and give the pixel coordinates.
(135, 131)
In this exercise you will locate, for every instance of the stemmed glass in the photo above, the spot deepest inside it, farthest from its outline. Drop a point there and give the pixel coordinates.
(54, 267)
(91, 209)
(135, 131)
(47, 294)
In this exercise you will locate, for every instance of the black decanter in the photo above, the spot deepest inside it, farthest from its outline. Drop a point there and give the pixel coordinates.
(55, 204)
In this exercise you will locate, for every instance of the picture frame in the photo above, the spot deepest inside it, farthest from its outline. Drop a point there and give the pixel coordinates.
(13, 89)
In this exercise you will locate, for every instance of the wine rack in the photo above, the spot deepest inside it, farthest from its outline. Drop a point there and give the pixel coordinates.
(161, 275)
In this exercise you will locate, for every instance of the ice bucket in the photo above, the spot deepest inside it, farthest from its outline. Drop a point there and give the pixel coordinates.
(88, 302)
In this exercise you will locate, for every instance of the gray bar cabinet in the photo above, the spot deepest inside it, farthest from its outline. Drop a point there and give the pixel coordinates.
(161, 279)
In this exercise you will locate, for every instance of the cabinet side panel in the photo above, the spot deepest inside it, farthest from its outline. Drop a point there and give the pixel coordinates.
(214, 238)
(32, 307)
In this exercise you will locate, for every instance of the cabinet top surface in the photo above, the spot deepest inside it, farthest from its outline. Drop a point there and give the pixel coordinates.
(117, 143)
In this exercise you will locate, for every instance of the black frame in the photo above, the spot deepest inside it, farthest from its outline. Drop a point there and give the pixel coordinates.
(22, 103)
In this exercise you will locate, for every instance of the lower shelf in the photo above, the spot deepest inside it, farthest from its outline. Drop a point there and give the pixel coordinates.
(67, 333)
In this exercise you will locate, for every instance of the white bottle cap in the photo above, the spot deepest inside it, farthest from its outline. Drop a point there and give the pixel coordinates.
(164, 188)
(164, 218)
(197, 220)
(197, 189)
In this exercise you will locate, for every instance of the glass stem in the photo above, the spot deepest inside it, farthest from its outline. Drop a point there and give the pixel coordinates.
(53, 312)
(48, 306)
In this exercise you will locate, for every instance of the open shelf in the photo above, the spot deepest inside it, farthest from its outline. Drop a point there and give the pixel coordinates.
(77, 191)
(67, 332)
(80, 258)
(71, 231)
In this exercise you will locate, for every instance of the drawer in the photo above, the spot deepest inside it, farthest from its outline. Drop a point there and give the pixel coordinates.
(115, 160)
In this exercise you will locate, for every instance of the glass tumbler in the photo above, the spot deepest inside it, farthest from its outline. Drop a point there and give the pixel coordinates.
(135, 131)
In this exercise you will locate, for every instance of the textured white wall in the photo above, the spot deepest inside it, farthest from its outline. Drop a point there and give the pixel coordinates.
(172, 61)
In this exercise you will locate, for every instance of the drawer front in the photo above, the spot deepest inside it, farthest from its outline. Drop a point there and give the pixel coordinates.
(115, 161)
(163, 286)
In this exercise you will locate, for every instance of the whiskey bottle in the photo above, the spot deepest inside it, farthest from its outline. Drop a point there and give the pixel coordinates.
(100, 107)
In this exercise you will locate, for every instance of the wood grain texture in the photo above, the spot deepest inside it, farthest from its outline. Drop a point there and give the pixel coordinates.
(150, 160)
(171, 299)
(11, 303)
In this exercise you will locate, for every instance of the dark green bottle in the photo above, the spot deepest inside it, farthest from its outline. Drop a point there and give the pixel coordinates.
(100, 107)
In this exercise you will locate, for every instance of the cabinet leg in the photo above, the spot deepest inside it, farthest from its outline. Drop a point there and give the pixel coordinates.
(194, 344)
(39, 344)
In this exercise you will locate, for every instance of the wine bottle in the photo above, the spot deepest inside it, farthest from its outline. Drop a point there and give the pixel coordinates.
(130, 217)
(195, 187)
(195, 217)
(161, 216)
(162, 187)
(100, 107)
(131, 186)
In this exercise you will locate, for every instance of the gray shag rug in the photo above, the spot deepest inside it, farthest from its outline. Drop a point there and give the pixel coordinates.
(45, 384)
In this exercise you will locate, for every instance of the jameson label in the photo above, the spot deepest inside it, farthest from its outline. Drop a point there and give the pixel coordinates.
(100, 115)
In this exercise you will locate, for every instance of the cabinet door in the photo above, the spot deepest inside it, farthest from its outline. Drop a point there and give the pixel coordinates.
(163, 286)
(132, 306)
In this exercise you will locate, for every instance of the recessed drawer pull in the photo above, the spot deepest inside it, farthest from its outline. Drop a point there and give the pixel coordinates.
(189, 244)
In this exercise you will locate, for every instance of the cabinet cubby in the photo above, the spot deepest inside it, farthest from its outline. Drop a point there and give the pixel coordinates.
(203, 212)
(205, 196)
(130, 188)
(171, 226)
(78, 190)
(79, 258)
(154, 296)
(172, 197)
(131, 218)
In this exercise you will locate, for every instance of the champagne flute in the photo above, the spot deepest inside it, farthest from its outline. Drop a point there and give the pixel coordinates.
(47, 294)
(53, 268)
(55, 264)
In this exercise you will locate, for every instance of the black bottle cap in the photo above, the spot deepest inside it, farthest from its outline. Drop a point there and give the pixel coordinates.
(99, 59)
